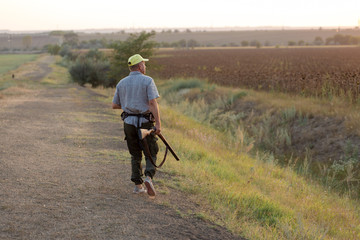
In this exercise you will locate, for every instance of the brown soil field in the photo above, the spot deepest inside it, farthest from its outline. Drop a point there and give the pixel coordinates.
(321, 72)
(64, 172)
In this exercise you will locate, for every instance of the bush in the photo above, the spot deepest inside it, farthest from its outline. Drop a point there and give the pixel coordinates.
(95, 54)
(244, 43)
(53, 49)
(89, 71)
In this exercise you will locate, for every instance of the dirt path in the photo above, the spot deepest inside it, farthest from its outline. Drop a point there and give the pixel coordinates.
(64, 174)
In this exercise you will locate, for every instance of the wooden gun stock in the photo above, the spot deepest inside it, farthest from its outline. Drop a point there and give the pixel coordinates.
(144, 132)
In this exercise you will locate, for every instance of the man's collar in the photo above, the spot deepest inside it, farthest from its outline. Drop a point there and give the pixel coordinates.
(135, 73)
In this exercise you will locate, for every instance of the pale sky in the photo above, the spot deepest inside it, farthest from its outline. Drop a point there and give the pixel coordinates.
(17, 15)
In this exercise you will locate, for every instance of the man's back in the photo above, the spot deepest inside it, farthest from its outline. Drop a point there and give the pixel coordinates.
(133, 94)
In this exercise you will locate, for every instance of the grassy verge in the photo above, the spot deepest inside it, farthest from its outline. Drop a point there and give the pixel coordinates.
(254, 197)
(281, 125)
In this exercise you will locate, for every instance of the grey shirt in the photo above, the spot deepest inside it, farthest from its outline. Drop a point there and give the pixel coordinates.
(133, 94)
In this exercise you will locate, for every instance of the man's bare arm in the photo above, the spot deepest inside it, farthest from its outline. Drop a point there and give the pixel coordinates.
(154, 108)
(116, 106)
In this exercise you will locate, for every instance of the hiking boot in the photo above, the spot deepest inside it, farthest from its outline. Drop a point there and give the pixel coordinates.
(138, 190)
(149, 186)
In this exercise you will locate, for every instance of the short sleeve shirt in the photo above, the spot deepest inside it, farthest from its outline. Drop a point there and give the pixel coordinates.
(133, 94)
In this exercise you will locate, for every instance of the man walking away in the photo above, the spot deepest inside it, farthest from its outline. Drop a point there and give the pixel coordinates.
(136, 94)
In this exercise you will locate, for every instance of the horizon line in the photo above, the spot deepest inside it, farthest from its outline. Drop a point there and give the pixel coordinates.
(190, 28)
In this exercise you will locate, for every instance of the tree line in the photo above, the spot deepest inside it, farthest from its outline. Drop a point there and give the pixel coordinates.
(96, 68)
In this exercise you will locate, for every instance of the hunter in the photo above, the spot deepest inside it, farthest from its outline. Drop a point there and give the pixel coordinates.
(137, 95)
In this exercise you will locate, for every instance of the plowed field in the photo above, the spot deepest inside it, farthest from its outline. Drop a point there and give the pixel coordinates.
(322, 72)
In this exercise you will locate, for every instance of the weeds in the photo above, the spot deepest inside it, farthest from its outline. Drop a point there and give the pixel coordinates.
(269, 132)
(254, 197)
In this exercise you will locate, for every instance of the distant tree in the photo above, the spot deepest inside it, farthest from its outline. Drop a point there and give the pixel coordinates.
(27, 41)
(65, 50)
(318, 41)
(255, 43)
(340, 39)
(188, 30)
(95, 54)
(164, 45)
(291, 43)
(244, 43)
(192, 43)
(71, 39)
(57, 33)
(181, 43)
(329, 41)
(104, 42)
(136, 43)
(267, 43)
(301, 42)
(354, 40)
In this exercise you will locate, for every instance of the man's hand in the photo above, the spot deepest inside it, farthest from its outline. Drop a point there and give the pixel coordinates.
(158, 128)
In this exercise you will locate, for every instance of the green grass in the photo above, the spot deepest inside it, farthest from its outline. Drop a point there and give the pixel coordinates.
(253, 196)
(58, 77)
(12, 61)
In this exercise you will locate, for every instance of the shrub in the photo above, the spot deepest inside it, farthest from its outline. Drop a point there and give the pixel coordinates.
(53, 49)
(90, 71)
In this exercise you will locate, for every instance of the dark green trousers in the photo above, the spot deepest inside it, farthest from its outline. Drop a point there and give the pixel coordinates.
(136, 152)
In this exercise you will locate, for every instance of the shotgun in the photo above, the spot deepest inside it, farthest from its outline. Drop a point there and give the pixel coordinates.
(145, 132)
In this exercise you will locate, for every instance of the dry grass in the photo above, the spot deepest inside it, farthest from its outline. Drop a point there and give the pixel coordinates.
(254, 196)
(336, 107)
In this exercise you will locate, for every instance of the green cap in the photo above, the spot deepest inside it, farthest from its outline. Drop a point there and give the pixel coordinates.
(135, 59)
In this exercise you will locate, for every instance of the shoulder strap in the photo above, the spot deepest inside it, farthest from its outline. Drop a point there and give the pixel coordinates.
(148, 154)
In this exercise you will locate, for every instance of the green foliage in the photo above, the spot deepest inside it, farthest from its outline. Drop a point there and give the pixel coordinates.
(87, 70)
(340, 39)
(301, 42)
(95, 54)
(53, 49)
(57, 33)
(318, 41)
(255, 43)
(136, 43)
(71, 39)
(291, 43)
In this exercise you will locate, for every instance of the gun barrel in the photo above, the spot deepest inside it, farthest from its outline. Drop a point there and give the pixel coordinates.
(168, 145)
